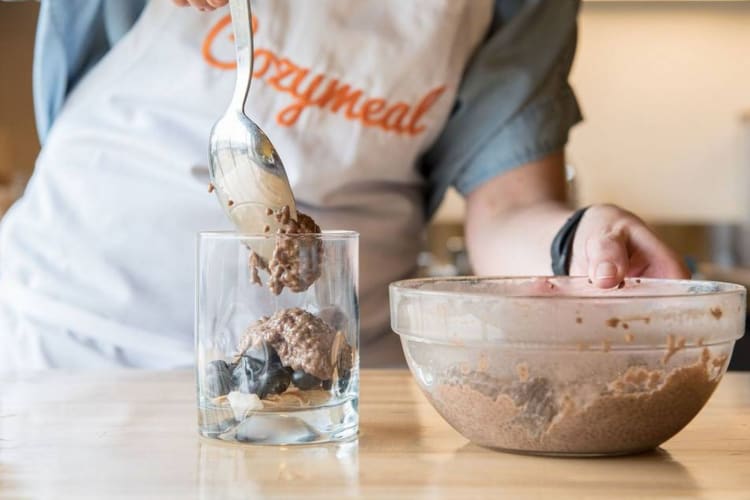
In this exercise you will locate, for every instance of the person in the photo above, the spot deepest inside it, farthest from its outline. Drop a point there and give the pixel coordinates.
(376, 107)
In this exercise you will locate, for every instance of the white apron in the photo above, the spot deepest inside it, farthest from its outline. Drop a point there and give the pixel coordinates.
(97, 258)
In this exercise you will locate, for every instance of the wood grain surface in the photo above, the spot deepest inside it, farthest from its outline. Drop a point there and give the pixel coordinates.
(133, 435)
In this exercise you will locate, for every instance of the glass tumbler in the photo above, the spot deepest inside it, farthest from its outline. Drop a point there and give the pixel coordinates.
(277, 337)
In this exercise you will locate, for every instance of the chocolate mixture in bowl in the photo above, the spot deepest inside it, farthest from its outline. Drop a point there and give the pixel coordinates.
(295, 262)
(637, 411)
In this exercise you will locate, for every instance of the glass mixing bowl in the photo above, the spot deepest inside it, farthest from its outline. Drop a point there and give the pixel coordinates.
(555, 366)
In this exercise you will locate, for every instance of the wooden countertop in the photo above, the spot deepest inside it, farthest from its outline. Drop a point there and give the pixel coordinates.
(133, 434)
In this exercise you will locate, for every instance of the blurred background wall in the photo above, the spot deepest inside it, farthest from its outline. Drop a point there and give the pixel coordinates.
(664, 88)
(18, 140)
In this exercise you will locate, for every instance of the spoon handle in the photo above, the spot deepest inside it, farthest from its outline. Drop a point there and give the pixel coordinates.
(243, 44)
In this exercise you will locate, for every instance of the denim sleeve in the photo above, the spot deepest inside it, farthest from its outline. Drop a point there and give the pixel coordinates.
(72, 35)
(514, 104)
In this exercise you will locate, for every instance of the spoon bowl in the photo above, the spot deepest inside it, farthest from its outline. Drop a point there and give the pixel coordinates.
(246, 172)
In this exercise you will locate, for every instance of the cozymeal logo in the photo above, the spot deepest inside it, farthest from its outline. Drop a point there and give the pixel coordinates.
(310, 90)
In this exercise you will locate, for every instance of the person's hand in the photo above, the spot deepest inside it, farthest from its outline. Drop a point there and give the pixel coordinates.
(512, 219)
(204, 5)
(611, 244)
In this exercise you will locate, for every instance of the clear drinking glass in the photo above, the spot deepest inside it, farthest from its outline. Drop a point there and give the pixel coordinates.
(278, 366)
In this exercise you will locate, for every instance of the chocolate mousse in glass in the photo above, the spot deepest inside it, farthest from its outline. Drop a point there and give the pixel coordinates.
(277, 333)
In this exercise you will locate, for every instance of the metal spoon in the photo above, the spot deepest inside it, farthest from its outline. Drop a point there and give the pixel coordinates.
(245, 169)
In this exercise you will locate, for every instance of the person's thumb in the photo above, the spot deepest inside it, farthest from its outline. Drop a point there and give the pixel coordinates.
(608, 259)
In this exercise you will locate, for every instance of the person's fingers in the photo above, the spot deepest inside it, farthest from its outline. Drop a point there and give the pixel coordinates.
(201, 5)
(611, 244)
(180, 3)
(653, 259)
(608, 259)
(217, 3)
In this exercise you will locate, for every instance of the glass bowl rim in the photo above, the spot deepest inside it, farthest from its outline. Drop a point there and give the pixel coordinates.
(406, 287)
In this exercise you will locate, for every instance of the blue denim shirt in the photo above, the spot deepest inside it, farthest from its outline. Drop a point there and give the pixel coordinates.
(514, 104)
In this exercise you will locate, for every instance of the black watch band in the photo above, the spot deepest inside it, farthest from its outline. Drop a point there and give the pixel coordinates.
(562, 245)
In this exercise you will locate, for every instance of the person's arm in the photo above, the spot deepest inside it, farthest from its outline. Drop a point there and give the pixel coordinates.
(512, 219)
(503, 150)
